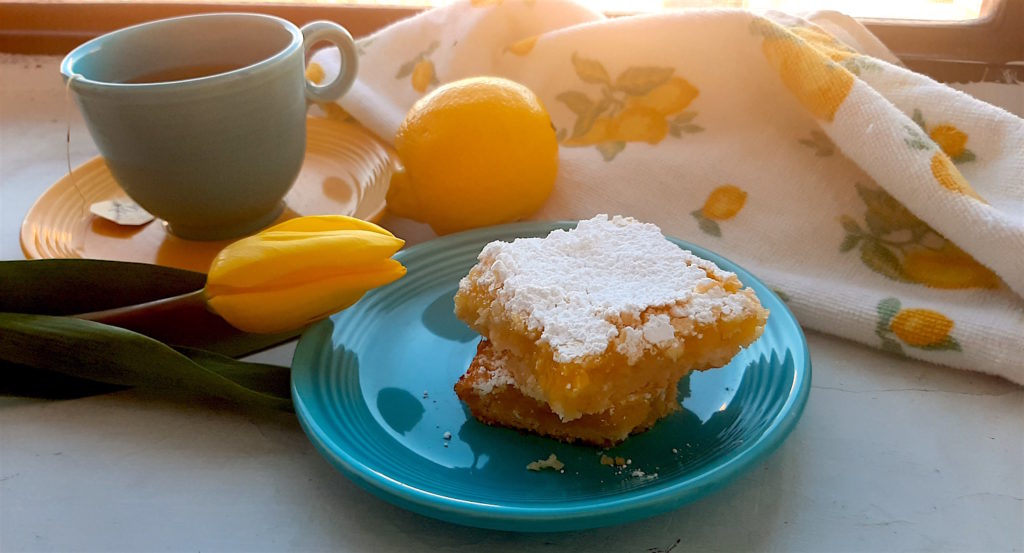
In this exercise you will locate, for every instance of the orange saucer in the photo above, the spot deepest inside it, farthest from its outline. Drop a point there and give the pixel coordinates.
(346, 172)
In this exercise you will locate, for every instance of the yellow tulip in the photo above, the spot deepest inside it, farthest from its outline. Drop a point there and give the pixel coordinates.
(299, 271)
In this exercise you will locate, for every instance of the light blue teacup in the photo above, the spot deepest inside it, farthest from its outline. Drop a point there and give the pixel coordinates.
(202, 119)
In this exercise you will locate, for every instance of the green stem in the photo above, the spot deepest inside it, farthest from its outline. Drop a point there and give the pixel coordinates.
(186, 320)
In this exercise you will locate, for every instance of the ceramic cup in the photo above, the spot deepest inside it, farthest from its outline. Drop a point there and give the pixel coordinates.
(202, 119)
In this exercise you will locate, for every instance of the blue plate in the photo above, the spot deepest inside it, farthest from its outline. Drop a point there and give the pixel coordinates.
(373, 390)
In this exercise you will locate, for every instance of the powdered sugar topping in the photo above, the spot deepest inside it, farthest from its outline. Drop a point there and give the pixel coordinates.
(573, 285)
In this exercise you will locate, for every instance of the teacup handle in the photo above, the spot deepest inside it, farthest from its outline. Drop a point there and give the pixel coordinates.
(338, 36)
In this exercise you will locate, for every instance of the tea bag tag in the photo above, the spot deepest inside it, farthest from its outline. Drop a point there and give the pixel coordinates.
(122, 211)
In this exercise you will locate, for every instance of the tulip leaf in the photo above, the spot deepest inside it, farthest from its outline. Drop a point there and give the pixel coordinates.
(69, 286)
(111, 355)
(92, 288)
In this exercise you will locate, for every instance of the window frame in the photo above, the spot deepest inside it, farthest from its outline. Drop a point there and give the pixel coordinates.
(990, 48)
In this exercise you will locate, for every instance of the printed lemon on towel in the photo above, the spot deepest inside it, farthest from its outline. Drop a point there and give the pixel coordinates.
(475, 152)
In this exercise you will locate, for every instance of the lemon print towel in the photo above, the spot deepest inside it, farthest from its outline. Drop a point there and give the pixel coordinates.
(884, 207)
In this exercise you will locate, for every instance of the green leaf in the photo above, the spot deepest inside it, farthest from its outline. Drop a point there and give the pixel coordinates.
(611, 149)
(23, 381)
(892, 346)
(823, 144)
(675, 130)
(80, 285)
(161, 302)
(590, 71)
(891, 214)
(430, 49)
(684, 117)
(577, 102)
(114, 356)
(965, 157)
(406, 68)
(851, 65)
(918, 118)
(637, 81)
(692, 128)
(948, 344)
(877, 224)
(849, 243)
(586, 121)
(887, 309)
(707, 225)
(850, 225)
(916, 143)
(808, 142)
(878, 258)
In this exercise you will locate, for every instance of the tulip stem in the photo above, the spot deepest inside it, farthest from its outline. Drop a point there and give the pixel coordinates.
(122, 316)
(185, 320)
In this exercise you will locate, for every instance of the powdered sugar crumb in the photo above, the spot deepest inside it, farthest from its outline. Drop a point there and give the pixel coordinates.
(606, 269)
(497, 377)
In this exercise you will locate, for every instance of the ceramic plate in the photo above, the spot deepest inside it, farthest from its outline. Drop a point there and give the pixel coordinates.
(373, 390)
(346, 171)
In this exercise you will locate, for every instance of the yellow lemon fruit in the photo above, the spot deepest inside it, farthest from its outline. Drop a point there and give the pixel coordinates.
(952, 140)
(921, 327)
(422, 74)
(724, 202)
(948, 268)
(475, 152)
(819, 84)
(639, 124)
(599, 132)
(948, 176)
(668, 98)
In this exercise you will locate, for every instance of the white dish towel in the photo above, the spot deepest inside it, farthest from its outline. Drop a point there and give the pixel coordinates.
(882, 206)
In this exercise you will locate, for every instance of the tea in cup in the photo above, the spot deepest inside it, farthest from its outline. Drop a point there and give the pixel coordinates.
(202, 119)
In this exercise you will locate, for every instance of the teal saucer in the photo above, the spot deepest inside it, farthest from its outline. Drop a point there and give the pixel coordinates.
(373, 390)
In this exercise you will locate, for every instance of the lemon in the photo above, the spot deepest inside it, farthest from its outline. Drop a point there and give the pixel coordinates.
(921, 327)
(948, 268)
(639, 124)
(600, 131)
(724, 202)
(475, 152)
(668, 98)
(422, 74)
(950, 139)
(819, 85)
(948, 176)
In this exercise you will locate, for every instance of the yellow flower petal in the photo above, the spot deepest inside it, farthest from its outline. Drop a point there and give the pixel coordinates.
(272, 257)
(315, 223)
(294, 307)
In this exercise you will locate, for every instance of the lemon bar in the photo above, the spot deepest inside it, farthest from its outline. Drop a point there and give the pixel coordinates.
(490, 392)
(599, 313)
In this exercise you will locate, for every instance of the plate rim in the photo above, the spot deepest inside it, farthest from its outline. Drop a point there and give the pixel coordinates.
(563, 516)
